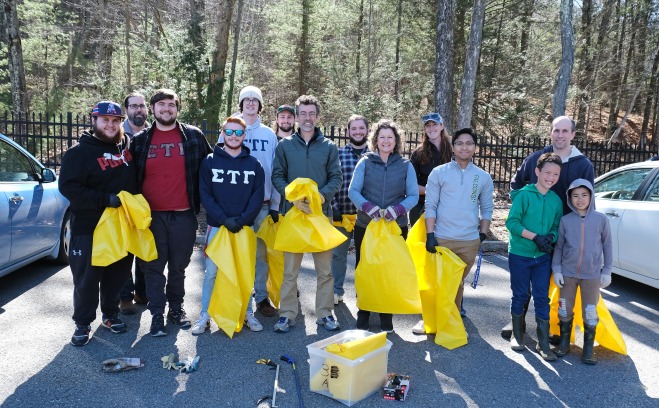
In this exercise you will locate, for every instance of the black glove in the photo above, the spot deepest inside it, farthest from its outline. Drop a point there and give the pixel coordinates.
(274, 214)
(544, 242)
(482, 236)
(337, 215)
(114, 201)
(231, 223)
(431, 243)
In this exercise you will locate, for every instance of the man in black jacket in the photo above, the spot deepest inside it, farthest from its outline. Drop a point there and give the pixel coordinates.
(93, 172)
(167, 156)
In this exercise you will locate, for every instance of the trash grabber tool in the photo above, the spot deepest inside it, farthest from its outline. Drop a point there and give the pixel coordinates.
(271, 363)
(290, 361)
(478, 268)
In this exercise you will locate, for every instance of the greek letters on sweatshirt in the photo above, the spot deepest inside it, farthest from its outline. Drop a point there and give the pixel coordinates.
(231, 186)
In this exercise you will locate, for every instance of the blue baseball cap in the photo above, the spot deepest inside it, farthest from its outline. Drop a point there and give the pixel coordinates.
(107, 108)
(432, 116)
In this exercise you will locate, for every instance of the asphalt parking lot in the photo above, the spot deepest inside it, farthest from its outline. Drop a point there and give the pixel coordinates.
(43, 369)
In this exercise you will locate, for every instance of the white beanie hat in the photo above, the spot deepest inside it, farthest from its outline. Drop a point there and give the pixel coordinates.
(250, 92)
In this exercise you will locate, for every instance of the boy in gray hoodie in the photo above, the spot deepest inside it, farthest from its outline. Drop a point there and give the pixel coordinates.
(582, 259)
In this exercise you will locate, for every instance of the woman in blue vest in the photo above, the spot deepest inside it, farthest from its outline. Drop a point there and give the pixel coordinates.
(383, 185)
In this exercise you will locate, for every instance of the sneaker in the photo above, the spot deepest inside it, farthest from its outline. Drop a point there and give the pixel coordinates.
(253, 323)
(179, 318)
(140, 300)
(127, 307)
(265, 308)
(283, 325)
(329, 323)
(201, 325)
(419, 328)
(337, 299)
(158, 326)
(115, 324)
(81, 335)
(463, 312)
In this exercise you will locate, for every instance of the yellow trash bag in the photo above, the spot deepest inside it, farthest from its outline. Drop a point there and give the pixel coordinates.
(268, 232)
(385, 280)
(123, 230)
(347, 222)
(416, 242)
(235, 257)
(441, 279)
(607, 333)
(300, 232)
(354, 349)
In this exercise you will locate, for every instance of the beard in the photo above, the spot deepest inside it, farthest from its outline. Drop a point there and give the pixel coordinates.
(307, 127)
(137, 119)
(103, 136)
(164, 122)
(358, 143)
(285, 128)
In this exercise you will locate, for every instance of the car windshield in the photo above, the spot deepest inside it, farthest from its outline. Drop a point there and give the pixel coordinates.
(621, 185)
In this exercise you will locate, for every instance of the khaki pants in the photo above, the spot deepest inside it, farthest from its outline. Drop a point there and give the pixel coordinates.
(324, 284)
(467, 251)
(590, 294)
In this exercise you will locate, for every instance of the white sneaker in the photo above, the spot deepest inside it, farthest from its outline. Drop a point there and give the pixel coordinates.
(337, 299)
(201, 326)
(419, 328)
(253, 323)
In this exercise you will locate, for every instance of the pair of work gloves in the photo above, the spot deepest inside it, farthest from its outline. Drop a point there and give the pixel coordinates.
(304, 204)
(390, 213)
(432, 244)
(605, 280)
(545, 243)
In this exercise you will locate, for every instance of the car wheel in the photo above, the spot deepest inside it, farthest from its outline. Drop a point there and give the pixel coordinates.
(64, 240)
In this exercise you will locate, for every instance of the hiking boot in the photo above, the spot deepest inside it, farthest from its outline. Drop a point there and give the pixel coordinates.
(419, 328)
(127, 307)
(265, 308)
(179, 318)
(283, 325)
(158, 326)
(140, 300)
(329, 323)
(201, 325)
(253, 323)
(337, 299)
(81, 335)
(115, 324)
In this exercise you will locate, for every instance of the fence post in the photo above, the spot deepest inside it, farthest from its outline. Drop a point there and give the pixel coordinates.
(69, 129)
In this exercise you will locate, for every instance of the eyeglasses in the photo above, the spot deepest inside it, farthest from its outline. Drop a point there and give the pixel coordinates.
(434, 116)
(230, 132)
(250, 100)
(135, 106)
(468, 144)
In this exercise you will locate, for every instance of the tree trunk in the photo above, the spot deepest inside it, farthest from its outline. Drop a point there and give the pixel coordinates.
(444, 61)
(358, 72)
(471, 64)
(614, 78)
(368, 49)
(195, 53)
(304, 51)
(127, 27)
(567, 59)
(488, 99)
(585, 67)
(527, 13)
(15, 63)
(234, 58)
(219, 61)
(647, 111)
(398, 35)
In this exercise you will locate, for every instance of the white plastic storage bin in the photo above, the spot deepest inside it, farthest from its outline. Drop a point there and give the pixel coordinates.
(347, 381)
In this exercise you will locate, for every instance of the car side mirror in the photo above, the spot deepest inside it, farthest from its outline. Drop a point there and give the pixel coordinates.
(47, 176)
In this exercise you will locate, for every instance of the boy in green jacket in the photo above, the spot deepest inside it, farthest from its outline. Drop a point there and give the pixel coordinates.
(532, 229)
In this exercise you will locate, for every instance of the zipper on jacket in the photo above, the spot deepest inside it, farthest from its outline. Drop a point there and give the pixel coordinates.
(583, 232)
(384, 185)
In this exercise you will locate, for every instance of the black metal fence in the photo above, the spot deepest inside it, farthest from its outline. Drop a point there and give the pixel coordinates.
(47, 137)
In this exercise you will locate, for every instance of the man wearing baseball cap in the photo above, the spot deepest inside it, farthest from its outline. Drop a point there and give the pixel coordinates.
(285, 121)
(93, 172)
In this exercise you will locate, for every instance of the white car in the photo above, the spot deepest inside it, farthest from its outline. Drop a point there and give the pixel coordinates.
(629, 196)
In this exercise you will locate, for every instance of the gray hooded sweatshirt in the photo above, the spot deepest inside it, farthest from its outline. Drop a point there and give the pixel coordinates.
(584, 249)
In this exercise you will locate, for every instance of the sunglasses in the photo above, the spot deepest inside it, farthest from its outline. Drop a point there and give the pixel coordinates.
(230, 132)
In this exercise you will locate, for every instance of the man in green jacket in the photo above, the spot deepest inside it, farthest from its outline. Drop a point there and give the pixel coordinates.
(307, 154)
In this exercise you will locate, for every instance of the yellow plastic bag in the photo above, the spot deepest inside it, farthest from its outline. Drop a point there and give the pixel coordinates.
(300, 232)
(235, 257)
(416, 243)
(607, 333)
(347, 222)
(268, 233)
(385, 280)
(354, 349)
(123, 230)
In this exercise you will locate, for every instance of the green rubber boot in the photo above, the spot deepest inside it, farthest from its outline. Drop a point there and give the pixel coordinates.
(543, 340)
(588, 356)
(517, 337)
(564, 345)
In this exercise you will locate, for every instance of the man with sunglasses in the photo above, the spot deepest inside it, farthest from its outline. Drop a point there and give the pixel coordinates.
(231, 183)
(262, 142)
(135, 122)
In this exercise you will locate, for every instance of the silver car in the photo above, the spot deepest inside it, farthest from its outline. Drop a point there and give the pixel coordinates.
(629, 196)
(34, 216)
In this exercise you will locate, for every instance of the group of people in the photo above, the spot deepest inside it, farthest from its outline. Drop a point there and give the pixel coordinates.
(242, 179)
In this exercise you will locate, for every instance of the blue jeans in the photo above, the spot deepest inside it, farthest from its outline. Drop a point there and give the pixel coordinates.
(261, 277)
(209, 280)
(533, 272)
(340, 262)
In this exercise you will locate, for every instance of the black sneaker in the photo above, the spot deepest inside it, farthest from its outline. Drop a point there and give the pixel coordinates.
(179, 318)
(115, 324)
(158, 326)
(81, 335)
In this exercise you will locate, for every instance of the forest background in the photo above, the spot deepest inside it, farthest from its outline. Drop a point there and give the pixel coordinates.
(505, 67)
